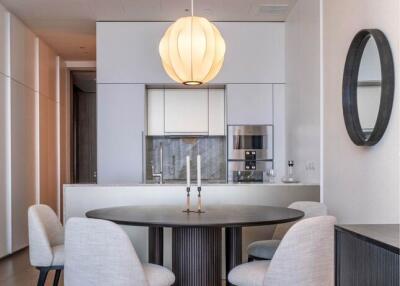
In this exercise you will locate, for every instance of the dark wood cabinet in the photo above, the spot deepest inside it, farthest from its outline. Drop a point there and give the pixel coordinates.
(367, 255)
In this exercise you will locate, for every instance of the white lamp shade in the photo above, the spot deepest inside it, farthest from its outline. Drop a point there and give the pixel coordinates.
(192, 50)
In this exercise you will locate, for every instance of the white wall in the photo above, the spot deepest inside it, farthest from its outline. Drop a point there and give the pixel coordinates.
(127, 52)
(361, 184)
(303, 89)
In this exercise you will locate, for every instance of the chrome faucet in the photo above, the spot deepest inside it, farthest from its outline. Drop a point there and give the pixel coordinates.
(159, 174)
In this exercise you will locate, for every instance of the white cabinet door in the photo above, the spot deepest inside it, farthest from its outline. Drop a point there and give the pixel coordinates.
(155, 112)
(120, 127)
(249, 104)
(216, 112)
(186, 111)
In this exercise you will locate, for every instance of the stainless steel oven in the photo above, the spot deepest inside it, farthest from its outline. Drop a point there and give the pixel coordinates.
(250, 140)
(250, 152)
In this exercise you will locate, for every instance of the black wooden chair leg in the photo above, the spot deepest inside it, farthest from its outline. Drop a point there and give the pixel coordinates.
(42, 276)
(57, 277)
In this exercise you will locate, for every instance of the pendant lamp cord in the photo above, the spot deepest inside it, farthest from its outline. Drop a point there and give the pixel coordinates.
(192, 8)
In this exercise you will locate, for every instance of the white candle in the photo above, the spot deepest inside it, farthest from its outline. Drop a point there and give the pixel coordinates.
(188, 171)
(198, 170)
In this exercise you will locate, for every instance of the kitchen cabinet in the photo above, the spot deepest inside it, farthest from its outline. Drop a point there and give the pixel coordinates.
(186, 111)
(120, 127)
(249, 104)
(127, 52)
(155, 112)
(216, 112)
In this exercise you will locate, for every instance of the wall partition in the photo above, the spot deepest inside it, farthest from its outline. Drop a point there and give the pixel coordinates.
(29, 168)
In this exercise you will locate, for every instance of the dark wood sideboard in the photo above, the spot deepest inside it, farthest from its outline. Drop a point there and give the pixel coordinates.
(367, 255)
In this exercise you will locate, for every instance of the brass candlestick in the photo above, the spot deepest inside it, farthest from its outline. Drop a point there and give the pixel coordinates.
(187, 200)
(199, 206)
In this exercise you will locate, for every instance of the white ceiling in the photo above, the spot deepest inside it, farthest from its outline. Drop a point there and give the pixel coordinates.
(69, 25)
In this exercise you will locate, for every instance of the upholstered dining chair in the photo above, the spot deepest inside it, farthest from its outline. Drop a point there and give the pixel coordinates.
(99, 253)
(46, 242)
(265, 249)
(305, 257)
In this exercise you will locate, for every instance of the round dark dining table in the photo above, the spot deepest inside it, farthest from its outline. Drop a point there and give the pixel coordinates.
(197, 238)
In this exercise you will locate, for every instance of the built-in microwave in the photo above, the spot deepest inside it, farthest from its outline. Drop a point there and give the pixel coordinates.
(250, 152)
(250, 142)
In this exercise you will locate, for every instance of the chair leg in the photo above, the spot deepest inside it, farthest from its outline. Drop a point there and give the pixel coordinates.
(42, 276)
(57, 277)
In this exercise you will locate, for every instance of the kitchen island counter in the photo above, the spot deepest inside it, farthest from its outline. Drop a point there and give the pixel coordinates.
(78, 199)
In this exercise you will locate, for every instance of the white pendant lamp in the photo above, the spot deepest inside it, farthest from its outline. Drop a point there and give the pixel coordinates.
(192, 50)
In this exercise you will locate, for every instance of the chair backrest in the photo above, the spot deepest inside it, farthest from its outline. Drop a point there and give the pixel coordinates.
(310, 209)
(99, 253)
(305, 256)
(45, 231)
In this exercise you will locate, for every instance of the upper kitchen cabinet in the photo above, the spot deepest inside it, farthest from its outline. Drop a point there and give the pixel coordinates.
(255, 52)
(155, 112)
(127, 52)
(249, 104)
(186, 111)
(216, 112)
(23, 54)
(4, 41)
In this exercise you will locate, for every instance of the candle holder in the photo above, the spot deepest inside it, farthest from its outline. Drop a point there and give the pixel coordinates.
(199, 205)
(187, 201)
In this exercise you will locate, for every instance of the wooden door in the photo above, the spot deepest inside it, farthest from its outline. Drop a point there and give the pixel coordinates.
(85, 138)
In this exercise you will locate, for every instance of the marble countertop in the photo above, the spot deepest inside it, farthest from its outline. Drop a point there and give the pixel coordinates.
(387, 234)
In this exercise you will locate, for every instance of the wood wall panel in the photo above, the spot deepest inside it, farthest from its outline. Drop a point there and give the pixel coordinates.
(47, 150)
(47, 70)
(23, 54)
(3, 167)
(22, 160)
(47, 126)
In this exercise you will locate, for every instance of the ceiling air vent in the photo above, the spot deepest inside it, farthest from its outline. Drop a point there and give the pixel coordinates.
(273, 8)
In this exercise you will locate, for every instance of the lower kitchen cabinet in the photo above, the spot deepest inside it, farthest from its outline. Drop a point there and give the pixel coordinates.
(367, 255)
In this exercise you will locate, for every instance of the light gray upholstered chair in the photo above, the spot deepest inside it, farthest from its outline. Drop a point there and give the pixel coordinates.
(99, 253)
(265, 249)
(46, 242)
(305, 257)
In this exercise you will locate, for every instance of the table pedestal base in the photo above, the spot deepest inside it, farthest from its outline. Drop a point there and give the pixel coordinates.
(196, 256)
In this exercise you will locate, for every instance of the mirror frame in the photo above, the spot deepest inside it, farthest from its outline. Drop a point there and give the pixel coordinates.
(350, 84)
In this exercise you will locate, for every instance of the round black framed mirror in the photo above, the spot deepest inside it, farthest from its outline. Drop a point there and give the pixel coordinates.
(368, 87)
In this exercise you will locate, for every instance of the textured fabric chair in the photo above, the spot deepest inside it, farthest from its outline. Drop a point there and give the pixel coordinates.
(265, 249)
(99, 253)
(46, 242)
(305, 257)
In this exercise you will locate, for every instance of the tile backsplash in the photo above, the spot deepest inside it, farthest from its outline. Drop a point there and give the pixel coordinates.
(175, 149)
